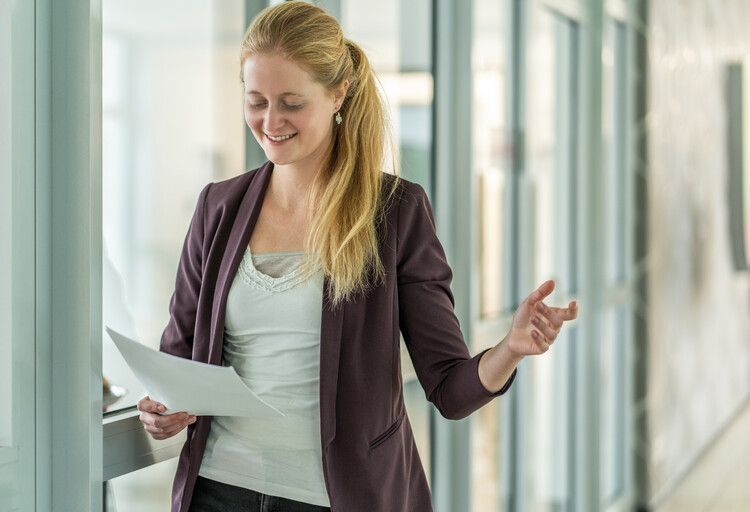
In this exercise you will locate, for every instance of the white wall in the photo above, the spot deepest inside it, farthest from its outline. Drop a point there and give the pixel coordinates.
(6, 388)
(699, 315)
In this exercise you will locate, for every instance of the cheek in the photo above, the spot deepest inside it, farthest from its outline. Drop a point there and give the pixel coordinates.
(253, 120)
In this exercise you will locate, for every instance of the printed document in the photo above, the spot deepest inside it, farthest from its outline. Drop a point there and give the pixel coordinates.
(184, 385)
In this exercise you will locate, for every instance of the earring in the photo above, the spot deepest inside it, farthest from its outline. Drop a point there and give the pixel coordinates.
(338, 118)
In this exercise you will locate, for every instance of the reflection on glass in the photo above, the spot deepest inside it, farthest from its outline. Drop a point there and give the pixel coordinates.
(486, 476)
(491, 158)
(490, 150)
(172, 122)
(552, 137)
(396, 36)
(137, 492)
(542, 142)
(614, 138)
(613, 365)
(6, 233)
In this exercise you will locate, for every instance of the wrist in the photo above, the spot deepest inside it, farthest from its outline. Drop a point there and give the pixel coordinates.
(497, 365)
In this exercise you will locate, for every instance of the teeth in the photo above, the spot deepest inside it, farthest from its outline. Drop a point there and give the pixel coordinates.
(279, 139)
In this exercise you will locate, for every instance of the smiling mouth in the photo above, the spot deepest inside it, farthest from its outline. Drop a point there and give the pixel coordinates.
(281, 137)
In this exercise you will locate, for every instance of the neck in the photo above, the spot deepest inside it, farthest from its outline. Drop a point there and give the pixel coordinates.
(290, 186)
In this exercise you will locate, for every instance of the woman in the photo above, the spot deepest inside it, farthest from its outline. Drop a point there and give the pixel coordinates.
(303, 274)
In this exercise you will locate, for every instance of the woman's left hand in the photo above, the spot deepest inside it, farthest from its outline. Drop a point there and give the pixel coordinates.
(534, 328)
(536, 325)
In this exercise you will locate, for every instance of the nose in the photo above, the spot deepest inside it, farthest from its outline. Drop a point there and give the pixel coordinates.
(272, 120)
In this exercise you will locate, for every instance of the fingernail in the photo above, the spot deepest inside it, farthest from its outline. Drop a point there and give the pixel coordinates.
(192, 420)
(161, 408)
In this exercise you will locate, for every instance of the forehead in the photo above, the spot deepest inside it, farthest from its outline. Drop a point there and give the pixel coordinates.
(274, 74)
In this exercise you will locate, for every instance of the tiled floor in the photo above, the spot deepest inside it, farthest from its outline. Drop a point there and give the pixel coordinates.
(720, 482)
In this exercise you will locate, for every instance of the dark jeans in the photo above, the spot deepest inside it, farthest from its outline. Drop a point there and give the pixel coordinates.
(212, 496)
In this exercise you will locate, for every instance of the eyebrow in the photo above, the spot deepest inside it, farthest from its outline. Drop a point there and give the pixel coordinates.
(282, 94)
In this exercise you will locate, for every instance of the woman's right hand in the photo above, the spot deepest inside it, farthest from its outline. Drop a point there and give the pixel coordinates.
(162, 426)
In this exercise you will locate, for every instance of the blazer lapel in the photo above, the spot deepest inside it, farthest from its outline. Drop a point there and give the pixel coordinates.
(239, 238)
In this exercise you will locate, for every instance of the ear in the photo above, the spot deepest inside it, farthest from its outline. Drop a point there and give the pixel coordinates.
(339, 93)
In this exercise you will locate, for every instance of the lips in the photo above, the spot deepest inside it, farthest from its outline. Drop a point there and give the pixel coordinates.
(280, 138)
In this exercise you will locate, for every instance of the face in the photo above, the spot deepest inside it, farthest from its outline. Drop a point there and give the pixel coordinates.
(290, 115)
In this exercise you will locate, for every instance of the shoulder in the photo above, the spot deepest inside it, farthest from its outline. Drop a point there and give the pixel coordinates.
(403, 194)
(406, 202)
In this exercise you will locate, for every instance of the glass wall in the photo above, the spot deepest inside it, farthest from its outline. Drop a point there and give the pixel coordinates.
(614, 135)
(492, 148)
(491, 154)
(552, 116)
(6, 198)
(397, 37)
(172, 123)
(18, 391)
(616, 327)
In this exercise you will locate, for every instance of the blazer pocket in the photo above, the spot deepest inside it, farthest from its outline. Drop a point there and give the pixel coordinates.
(382, 438)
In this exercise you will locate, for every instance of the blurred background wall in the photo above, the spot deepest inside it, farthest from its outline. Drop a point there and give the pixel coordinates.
(698, 301)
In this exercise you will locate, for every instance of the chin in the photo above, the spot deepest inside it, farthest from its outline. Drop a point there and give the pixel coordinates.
(278, 159)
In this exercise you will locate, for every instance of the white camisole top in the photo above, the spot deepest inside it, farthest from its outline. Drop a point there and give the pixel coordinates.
(272, 339)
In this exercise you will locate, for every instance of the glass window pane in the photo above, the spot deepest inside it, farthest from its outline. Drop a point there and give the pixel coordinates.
(541, 139)
(552, 63)
(172, 122)
(491, 151)
(491, 161)
(6, 197)
(614, 129)
(397, 39)
(550, 423)
(613, 375)
(146, 490)
(552, 140)
(486, 476)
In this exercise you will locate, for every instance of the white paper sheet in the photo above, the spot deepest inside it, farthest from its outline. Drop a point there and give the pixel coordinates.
(184, 385)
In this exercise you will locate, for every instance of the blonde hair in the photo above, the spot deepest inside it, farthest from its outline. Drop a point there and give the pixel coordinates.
(348, 198)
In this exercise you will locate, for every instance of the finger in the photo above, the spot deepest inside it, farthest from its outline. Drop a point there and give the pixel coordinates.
(145, 404)
(547, 330)
(571, 313)
(544, 290)
(541, 344)
(170, 430)
(552, 315)
(158, 421)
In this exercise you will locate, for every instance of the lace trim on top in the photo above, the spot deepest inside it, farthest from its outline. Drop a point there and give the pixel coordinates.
(257, 279)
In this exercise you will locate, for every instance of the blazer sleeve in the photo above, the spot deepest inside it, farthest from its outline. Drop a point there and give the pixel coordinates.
(177, 338)
(431, 331)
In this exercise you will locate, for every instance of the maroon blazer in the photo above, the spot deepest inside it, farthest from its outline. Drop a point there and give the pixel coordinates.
(370, 461)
